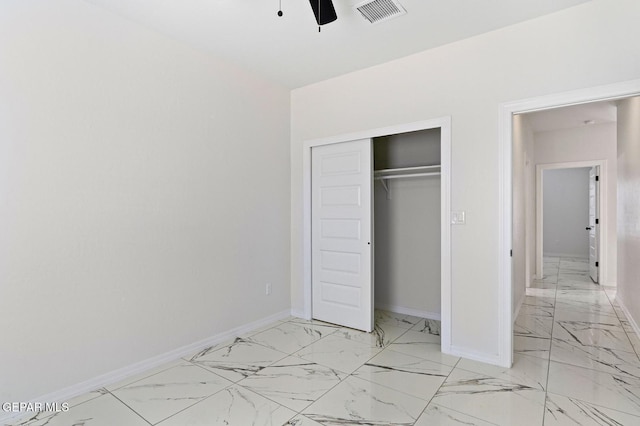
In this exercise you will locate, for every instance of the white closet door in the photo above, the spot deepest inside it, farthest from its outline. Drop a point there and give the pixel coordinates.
(593, 228)
(341, 232)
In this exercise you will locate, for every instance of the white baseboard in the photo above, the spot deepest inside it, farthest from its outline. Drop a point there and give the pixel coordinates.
(115, 376)
(408, 311)
(630, 318)
(476, 356)
(298, 313)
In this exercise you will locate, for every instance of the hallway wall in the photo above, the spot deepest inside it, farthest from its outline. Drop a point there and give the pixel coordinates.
(629, 207)
(585, 143)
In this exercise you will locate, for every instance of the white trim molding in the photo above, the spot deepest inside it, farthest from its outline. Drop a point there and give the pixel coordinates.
(409, 311)
(444, 123)
(505, 147)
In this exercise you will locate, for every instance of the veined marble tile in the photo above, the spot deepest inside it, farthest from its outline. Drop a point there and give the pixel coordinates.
(596, 297)
(551, 259)
(533, 310)
(381, 336)
(395, 319)
(422, 345)
(104, 410)
(602, 359)
(526, 370)
(437, 415)
(595, 316)
(360, 402)
(232, 406)
(405, 373)
(428, 326)
(239, 360)
(592, 334)
(548, 278)
(544, 284)
(567, 304)
(293, 382)
(635, 342)
(563, 411)
(490, 399)
(567, 284)
(618, 392)
(532, 346)
(549, 293)
(259, 329)
(164, 394)
(301, 420)
(533, 326)
(304, 322)
(145, 374)
(37, 418)
(338, 353)
(289, 337)
(542, 302)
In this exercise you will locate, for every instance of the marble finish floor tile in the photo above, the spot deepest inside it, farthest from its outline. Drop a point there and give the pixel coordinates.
(105, 410)
(381, 337)
(492, 400)
(239, 360)
(405, 373)
(538, 311)
(617, 392)
(395, 319)
(437, 415)
(234, 405)
(603, 359)
(533, 326)
(532, 346)
(144, 374)
(301, 420)
(422, 345)
(428, 326)
(563, 411)
(526, 370)
(601, 335)
(293, 382)
(338, 353)
(289, 337)
(542, 302)
(164, 394)
(360, 402)
(547, 293)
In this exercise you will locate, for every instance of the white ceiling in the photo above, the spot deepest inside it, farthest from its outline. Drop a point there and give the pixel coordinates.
(572, 116)
(290, 50)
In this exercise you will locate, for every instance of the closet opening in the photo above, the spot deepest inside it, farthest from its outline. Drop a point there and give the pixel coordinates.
(376, 226)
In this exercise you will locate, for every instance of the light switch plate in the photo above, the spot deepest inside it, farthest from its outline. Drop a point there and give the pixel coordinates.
(458, 217)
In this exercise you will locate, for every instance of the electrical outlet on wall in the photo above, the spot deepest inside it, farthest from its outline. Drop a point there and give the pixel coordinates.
(268, 289)
(458, 217)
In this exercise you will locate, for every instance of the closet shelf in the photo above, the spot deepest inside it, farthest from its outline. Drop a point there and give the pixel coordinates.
(406, 172)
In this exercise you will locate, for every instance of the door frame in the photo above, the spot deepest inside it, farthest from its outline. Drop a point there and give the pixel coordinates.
(444, 123)
(602, 200)
(505, 151)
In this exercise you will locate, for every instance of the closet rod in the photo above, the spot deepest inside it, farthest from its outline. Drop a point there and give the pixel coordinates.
(407, 175)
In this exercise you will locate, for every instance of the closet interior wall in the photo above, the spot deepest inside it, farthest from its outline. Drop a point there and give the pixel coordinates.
(407, 226)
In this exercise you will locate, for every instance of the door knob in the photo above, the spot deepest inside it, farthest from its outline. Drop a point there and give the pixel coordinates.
(588, 228)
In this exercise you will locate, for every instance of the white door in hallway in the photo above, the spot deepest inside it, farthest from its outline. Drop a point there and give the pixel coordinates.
(341, 234)
(594, 225)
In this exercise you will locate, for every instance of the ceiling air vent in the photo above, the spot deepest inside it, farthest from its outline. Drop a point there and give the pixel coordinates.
(377, 11)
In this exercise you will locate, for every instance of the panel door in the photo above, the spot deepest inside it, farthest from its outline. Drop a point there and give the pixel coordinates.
(594, 227)
(341, 234)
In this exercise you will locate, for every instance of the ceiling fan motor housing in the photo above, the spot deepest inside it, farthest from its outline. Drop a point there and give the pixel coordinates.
(324, 11)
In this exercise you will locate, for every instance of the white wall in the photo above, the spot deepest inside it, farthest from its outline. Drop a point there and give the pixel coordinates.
(144, 195)
(566, 212)
(594, 142)
(523, 233)
(629, 207)
(407, 226)
(583, 46)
